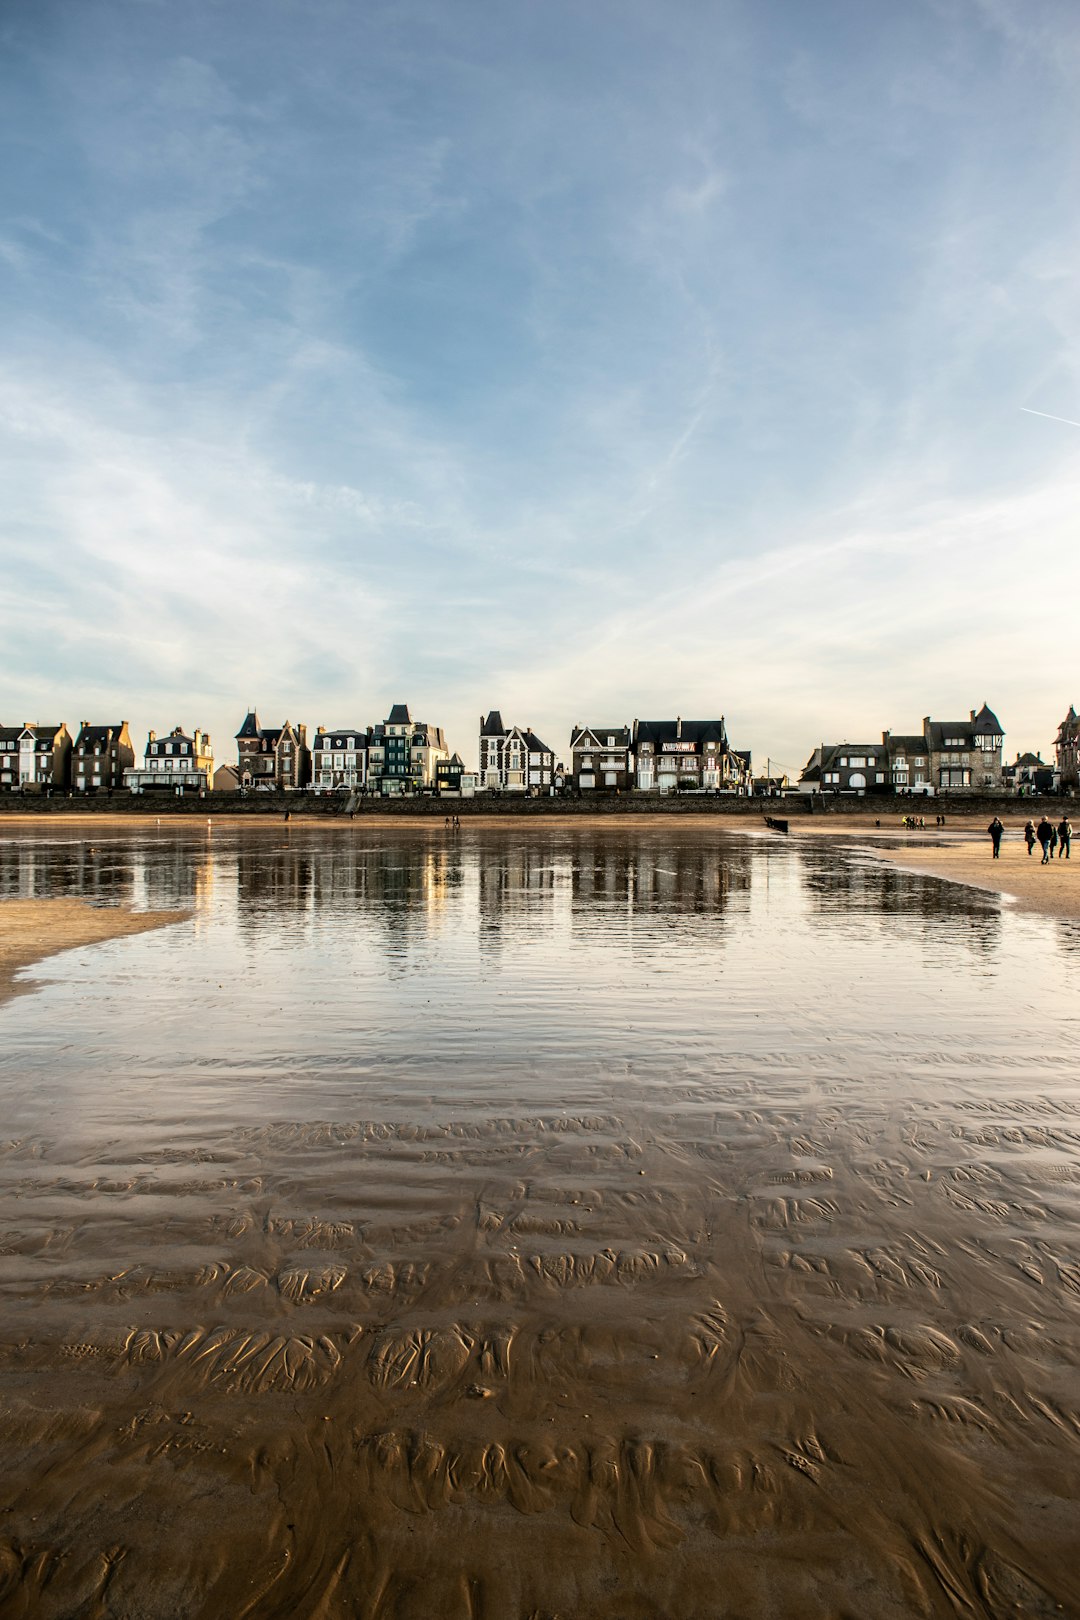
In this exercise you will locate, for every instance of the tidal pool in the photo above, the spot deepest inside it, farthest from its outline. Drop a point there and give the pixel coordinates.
(550, 1221)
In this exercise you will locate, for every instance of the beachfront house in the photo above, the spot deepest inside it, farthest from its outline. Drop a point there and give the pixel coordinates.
(176, 764)
(272, 758)
(846, 767)
(680, 755)
(35, 759)
(403, 753)
(601, 757)
(965, 755)
(512, 758)
(906, 762)
(1067, 749)
(100, 757)
(339, 759)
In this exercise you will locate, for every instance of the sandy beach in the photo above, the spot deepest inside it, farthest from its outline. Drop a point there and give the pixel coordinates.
(31, 930)
(572, 1218)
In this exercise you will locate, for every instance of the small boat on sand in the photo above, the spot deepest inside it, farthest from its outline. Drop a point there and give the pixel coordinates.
(776, 824)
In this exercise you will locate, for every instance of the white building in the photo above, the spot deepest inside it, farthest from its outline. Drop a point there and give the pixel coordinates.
(177, 763)
(512, 758)
(339, 759)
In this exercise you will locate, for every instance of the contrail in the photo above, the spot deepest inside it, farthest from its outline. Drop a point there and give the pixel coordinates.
(1066, 419)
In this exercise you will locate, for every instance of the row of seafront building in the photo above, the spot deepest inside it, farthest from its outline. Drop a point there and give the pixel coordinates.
(403, 755)
(398, 755)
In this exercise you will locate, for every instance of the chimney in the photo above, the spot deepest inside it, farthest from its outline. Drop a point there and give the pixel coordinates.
(678, 725)
(973, 716)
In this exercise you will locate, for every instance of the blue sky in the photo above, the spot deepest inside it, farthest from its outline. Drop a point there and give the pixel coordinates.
(588, 361)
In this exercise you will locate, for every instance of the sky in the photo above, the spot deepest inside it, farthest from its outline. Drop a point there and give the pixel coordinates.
(591, 362)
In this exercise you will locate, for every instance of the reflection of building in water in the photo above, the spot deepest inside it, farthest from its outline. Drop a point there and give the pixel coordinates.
(686, 877)
(842, 892)
(40, 871)
(514, 879)
(400, 880)
(173, 875)
(273, 878)
(396, 883)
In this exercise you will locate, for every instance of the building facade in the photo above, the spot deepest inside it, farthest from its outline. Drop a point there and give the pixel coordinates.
(512, 758)
(35, 759)
(907, 762)
(965, 755)
(846, 767)
(685, 755)
(272, 758)
(403, 753)
(1067, 751)
(601, 757)
(339, 759)
(100, 757)
(177, 763)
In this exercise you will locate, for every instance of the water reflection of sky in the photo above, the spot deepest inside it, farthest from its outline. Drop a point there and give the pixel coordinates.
(523, 967)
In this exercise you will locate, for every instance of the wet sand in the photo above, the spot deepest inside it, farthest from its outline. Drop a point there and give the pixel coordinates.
(960, 854)
(778, 1334)
(31, 930)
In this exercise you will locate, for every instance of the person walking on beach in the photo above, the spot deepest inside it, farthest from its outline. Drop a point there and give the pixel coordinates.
(1029, 835)
(1042, 833)
(995, 830)
(1064, 833)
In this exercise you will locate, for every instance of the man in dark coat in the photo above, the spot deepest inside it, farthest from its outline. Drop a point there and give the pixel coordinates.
(995, 830)
(1064, 833)
(1044, 832)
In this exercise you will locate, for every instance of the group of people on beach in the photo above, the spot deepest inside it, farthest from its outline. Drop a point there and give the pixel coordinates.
(1052, 840)
(452, 822)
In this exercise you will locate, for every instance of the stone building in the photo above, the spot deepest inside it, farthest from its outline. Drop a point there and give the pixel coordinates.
(965, 755)
(1067, 751)
(672, 755)
(100, 757)
(272, 758)
(35, 759)
(601, 757)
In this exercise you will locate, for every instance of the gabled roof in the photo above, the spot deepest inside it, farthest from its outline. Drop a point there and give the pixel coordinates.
(399, 715)
(250, 727)
(493, 725)
(11, 734)
(455, 761)
(621, 735)
(915, 744)
(533, 743)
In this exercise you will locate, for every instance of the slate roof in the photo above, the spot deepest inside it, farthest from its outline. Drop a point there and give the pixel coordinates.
(695, 731)
(338, 737)
(621, 735)
(493, 725)
(44, 736)
(938, 730)
(915, 744)
(399, 715)
(533, 743)
(986, 720)
(250, 727)
(102, 734)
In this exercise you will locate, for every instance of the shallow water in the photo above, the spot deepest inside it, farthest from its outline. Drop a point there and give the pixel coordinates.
(617, 1222)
